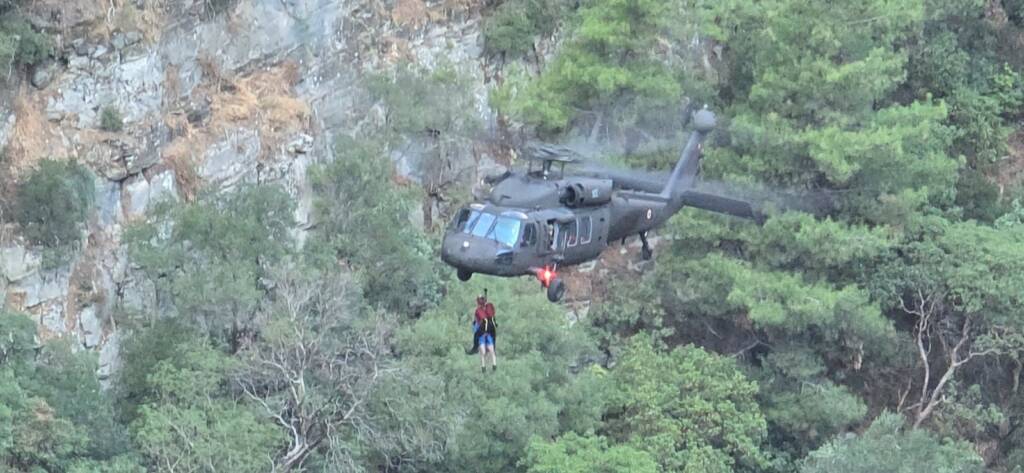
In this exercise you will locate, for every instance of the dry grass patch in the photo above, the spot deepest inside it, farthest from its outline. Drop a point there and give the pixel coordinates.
(34, 138)
(263, 101)
(124, 16)
(409, 13)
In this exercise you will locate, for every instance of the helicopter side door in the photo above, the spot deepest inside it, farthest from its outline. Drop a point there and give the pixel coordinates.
(583, 238)
(531, 243)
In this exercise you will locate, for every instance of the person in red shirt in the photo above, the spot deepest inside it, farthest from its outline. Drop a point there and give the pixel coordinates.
(484, 332)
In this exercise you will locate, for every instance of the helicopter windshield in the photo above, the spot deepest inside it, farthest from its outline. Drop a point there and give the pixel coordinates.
(482, 225)
(503, 229)
(506, 231)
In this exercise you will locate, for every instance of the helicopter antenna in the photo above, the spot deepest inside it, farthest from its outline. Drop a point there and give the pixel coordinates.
(689, 160)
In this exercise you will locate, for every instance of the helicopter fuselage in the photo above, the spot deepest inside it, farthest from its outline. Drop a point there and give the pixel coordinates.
(530, 224)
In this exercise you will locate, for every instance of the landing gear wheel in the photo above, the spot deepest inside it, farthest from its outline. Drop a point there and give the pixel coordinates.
(556, 289)
(463, 274)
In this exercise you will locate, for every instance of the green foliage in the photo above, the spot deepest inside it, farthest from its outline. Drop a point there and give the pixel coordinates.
(629, 306)
(494, 416)
(364, 219)
(193, 424)
(427, 101)
(801, 402)
(69, 384)
(110, 119)
(888, 446)
(163, 340)
(20, 44)
(516, 24)
(609, 65)
(779, 302)
(432, 120)
(971, 265)
(52, 413)
(53, 203)
(810, 92)
(572, 453)
(690, 409)
(210, 255)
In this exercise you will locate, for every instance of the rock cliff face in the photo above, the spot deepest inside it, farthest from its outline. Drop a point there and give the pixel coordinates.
(254, 93)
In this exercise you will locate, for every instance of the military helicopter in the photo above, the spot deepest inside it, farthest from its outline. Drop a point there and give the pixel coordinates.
(536, 222)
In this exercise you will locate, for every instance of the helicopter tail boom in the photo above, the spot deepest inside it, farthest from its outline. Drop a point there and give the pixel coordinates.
(685, 172)
(720, 204)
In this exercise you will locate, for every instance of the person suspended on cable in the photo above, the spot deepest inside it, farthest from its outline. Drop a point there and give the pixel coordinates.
(484, 332)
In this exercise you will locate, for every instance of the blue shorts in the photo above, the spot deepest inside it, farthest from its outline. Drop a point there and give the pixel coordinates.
(486, 340)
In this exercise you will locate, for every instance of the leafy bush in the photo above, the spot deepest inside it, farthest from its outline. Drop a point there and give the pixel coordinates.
(20, 44)
(53, 202)
(111, 120)
(889, 446)
(517, 23)
(364, 219)
(211, 255)
(610, 65)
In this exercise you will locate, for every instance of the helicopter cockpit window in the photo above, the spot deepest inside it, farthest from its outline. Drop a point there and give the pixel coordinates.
(483, 224)
(465, 217)
(506, 231)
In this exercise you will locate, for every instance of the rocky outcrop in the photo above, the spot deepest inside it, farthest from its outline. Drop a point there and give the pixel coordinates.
(253, 95)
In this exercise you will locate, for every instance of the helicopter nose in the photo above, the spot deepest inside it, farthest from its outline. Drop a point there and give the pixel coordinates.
(474, 253)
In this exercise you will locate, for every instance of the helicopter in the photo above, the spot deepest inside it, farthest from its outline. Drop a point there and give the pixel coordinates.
(536, 222)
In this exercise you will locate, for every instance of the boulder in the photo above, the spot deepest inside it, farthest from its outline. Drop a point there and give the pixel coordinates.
(92, 329)
(108, 202)
(43, 74)
(162, 186)
(122, 40)
(52, 317)
(109, 360)
(135, 196)
(232, 160)
(7, 122)
(17, 263)
(302, 144)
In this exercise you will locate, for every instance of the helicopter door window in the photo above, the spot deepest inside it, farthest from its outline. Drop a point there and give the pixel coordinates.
(570, 234)
(585, 229)
(529, 236)
(552, 235)
(483, 224)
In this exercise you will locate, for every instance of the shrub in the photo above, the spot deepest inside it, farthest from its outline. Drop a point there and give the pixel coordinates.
(110, 119)
(517, 23)
(20, 44)
(53, 202)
